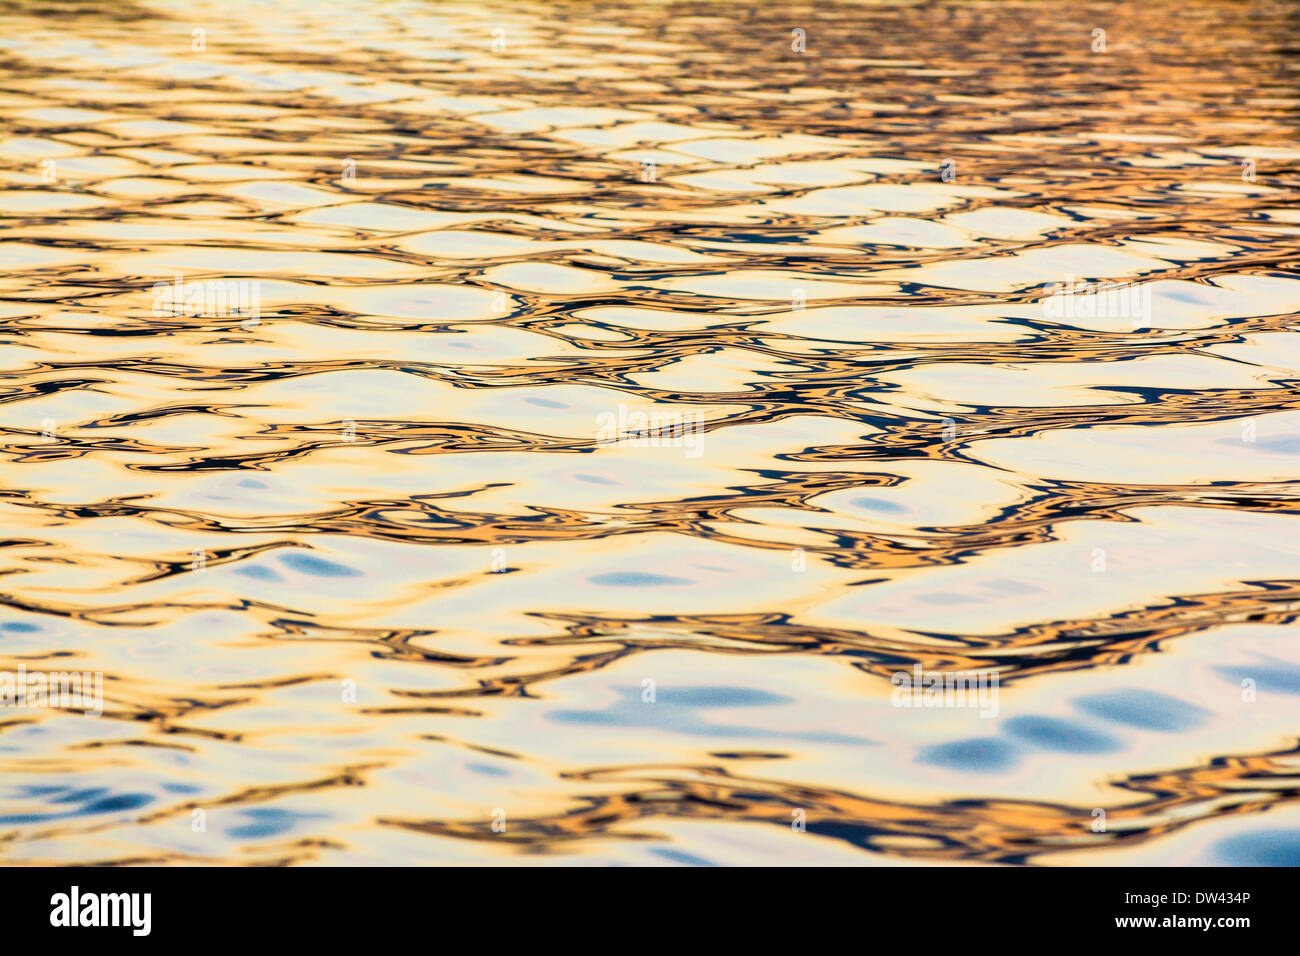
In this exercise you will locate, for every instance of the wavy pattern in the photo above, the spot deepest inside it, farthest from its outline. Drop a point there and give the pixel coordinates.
(469, 433)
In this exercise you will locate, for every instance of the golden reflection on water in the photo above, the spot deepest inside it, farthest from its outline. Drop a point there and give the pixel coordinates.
(367, 560)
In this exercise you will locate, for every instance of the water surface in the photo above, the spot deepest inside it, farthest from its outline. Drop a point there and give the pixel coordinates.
(398, 569)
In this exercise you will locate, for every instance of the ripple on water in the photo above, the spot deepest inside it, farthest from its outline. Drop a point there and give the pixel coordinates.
(615, 419)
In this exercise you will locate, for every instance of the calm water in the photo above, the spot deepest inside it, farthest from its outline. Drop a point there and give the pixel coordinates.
(541, 432)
